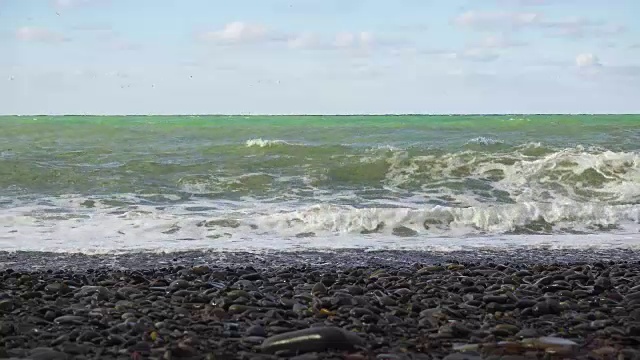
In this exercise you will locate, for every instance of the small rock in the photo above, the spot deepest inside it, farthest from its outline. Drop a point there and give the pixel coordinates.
(527, 333)
(56, 287)
(403, 231)
(548, 306)
(50, 315)
(179, 284)
(46, 354)
(244, 284)
(525, 303)
(115, 340)
(319, 289)
(70, 319)
(629, 354)
(552, 344)
(183, 350)
(505, 330)
(251, 277)
(359, 312)
(256, 330)
(312, 339)
(141, 347)
(254, 340)
(88, 336)
(75, 349)
(6, 328)
(500, 299)
(6, 305)
(603, 283)
(101, 292)
(60, 340)
(201, 269)
(633, 296)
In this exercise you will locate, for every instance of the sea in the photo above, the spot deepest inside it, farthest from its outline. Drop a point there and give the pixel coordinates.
(118, 184)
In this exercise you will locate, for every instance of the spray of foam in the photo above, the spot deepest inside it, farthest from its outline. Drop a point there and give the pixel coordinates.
(259, 142)
(481, 140)
(235, 226)
(575, 174)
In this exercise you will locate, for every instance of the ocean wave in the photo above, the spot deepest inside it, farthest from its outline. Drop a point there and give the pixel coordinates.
(259, 142)
(72, 225)
(245, 184)
(531, 172)
(526, 218)
(528, 174)
(481, 140)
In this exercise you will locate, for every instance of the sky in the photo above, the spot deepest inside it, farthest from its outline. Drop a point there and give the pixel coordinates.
(319, 56)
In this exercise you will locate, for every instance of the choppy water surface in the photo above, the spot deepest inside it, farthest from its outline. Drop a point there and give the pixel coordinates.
(102, 184)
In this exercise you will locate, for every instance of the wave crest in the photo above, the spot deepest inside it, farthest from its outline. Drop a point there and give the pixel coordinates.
(530, 218)
(259, 142)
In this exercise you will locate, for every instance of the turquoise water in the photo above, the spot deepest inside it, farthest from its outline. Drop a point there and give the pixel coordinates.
(206, 179)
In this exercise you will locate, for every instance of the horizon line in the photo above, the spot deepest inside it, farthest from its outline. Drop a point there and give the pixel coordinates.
(325, 114)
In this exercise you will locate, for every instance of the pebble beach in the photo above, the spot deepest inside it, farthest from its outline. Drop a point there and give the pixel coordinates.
(537, 304)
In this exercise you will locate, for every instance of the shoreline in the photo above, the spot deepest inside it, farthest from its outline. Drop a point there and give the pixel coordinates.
(339, 258)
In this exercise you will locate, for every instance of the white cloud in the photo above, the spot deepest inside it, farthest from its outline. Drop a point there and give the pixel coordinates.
(305, 41)
(241, 32)
(498, 42)
(36, 34)
(362, 39)
(66, 4)
(237, 32)
(497, 19)
(124, 45)
(575, 27)
(587, 60)
(474, 54)
(117, 74)
(578, 27)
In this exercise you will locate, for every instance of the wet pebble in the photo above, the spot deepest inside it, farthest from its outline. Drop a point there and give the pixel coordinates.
(312, 339)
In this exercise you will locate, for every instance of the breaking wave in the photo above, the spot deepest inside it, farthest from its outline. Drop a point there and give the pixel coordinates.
(74, 224)
(259, 142)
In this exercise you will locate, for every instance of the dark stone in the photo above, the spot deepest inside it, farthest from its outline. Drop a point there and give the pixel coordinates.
(75, 349)
(312, 339)
(88, 335)
(6, 328)
(319, 289)
(200, 269)
(500, 299)
(179, 284)
(47, 354)
(251, 277)
(525, 303)
(256, 330)
(70, 319)
(6, 305)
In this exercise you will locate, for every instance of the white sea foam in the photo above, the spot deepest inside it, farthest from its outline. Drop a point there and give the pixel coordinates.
(66, 225)
(583, 197)
(481, 140)
(259, 142)
(575, 174)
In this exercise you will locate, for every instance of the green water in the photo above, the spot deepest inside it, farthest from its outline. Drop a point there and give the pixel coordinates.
(209, 156)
